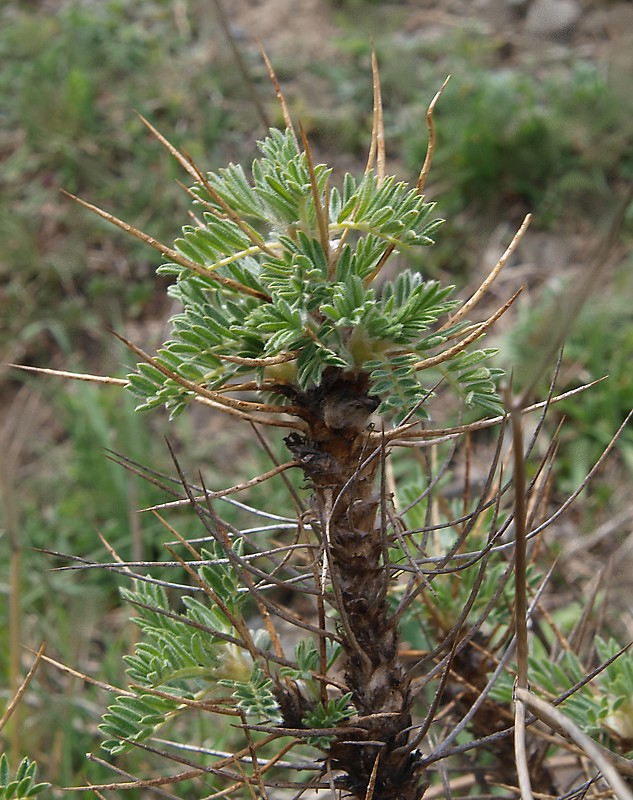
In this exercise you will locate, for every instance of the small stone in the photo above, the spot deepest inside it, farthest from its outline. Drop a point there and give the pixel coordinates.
(555, 18)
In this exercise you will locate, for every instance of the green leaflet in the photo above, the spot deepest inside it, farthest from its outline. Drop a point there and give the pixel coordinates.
(23, 785)
(328, 715)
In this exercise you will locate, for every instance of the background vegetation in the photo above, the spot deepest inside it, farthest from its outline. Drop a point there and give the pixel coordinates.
(550, 135)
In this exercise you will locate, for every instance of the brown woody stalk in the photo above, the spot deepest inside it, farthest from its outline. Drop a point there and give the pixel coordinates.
(345, 504)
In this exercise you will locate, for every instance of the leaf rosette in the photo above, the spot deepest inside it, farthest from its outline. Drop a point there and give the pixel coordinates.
(288, 284)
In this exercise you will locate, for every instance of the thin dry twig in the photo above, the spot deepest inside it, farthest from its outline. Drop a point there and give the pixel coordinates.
(222, 537)
(198, 398)
(430, 148)
(155, 789)
(492, 276)
(477, 332)
(227, 212)
(262, 478)
(75, 376)
(409, 431)
(269, 361)
(319, 208)
(108, 687)
(169, 252)
(23, 687)
(442, 750)
(236, 620)
(239, 408)
(280, 97)
(377, 146)
(369, 794)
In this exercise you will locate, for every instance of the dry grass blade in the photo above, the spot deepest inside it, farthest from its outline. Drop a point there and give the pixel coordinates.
(369, 794)
(583, 626)
(241, 65)
(520, 550)
(520, 751)
(15, 428)
(556, 719)
(553, 330)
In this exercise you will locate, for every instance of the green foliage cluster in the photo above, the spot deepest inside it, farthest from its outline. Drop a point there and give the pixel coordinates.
(21, 786)
(601, 707)
(76, 73)
(328, 715)
(187, 656)
(302, 261)
(321, 714)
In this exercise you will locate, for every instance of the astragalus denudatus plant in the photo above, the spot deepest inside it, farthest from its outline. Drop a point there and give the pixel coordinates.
(356, 639)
